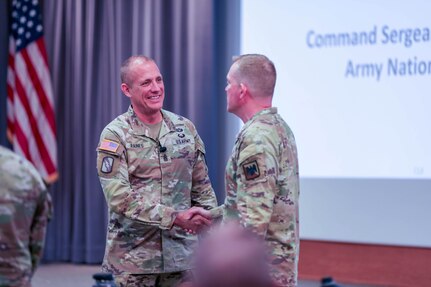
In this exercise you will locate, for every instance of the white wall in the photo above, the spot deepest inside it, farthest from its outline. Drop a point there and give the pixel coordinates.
(360, 112)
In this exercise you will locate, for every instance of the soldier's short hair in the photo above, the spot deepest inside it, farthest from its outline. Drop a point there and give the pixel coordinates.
(125, 67)
(257, 72)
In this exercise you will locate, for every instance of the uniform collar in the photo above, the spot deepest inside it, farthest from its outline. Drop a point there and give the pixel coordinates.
(139, 128)
(267, 111)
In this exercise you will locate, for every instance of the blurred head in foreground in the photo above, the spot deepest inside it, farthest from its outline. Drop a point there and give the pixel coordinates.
(231, 256)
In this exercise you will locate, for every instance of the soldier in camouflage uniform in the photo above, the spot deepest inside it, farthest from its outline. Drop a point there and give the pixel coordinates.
(262, 179)
(25, 207)
(151, 164)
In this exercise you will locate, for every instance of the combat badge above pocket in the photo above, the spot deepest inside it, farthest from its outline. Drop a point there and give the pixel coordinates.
(108, 157)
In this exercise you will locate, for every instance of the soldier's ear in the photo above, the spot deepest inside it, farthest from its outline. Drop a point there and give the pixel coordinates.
(126, 90)
(243, 91)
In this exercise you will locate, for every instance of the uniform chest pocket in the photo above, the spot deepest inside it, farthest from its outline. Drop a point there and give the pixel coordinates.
(182, 149)
(143, 161)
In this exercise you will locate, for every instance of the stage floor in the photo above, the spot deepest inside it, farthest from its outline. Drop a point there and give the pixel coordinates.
(73, 275)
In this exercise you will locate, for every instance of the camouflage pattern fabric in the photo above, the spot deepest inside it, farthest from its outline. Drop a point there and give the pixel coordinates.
(146, 182)
(25, 207)
(262, 189)
(150, 280)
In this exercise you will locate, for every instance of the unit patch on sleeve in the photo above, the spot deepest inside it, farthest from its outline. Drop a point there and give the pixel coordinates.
(107, 163)
(109, 145)
(251, 170)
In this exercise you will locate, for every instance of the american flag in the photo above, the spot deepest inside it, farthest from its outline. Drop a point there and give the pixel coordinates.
(30, 105)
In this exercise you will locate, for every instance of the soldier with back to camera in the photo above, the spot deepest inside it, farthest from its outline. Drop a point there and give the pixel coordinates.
(262, 178)
(25, 209)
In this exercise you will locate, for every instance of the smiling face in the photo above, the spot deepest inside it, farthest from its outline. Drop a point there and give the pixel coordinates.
(144, 87)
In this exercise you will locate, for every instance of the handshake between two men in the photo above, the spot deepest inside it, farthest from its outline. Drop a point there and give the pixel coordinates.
(194, 219)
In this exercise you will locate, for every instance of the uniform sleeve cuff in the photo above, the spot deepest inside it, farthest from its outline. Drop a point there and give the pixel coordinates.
(168, 218)
(217, 212)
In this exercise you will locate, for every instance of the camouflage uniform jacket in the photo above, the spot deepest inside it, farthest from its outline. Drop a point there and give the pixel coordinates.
(25, 207)
(145, 186)
(262, 189)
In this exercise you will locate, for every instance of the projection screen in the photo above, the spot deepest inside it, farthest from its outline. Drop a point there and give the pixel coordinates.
(354, 84)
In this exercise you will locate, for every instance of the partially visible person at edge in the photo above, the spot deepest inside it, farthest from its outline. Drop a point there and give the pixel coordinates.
(151, 165)
(231, 256)
(262, 178)
(25, 209)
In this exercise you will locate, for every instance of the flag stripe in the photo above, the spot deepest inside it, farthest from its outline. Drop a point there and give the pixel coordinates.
(10, 86)
(33, 125)
(10, 130)
(33, 60)
(47, 135)
(42, 49)
(43, 100)
(25, 140)
(41, 67)
(21, 142)
(9, 100)
(30, 102)
(10, 93)
(36, 156)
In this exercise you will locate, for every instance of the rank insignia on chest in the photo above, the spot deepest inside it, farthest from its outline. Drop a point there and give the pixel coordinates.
(251, 170)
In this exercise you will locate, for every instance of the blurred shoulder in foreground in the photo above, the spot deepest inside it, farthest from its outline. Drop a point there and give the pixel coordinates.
(25, 208)
(231, 256)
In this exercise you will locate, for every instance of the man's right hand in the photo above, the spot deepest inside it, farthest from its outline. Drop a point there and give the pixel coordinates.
(193, 219)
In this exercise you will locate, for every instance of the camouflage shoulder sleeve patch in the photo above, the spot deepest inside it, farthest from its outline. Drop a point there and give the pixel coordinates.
(107, 164)
(108, 157)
